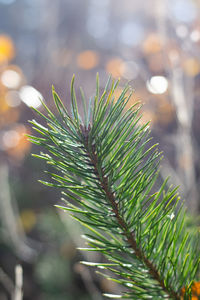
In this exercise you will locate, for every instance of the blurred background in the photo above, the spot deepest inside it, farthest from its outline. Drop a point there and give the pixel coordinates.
(155, 45)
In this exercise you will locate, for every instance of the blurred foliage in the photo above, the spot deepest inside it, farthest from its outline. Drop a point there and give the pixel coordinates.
(53, 272)
(54, 269)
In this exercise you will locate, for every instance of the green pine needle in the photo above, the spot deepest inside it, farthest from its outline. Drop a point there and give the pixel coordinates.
(107, 171)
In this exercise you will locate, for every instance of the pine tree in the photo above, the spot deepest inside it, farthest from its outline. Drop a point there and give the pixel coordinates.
(108, 170)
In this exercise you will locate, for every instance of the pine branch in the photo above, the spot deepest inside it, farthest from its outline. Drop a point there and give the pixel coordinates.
(108, 171)
(129, 235)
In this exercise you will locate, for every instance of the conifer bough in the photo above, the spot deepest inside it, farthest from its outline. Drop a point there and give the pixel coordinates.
(107, 171)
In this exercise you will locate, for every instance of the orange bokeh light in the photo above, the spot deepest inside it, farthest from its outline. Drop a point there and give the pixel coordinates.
(22, 146)
(115, 67)
(87, 60)
(191, 67)
(7, 50)
(152, 44)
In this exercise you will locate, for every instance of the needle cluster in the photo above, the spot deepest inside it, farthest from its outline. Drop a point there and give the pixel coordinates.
(107, 170)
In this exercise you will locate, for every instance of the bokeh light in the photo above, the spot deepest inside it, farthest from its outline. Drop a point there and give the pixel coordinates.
(152, 44)
(11, 78)
(131, 33)
(195, 35)
(183, 10)
(15, 142)
(7, 50)
(182, 31)
(10, 139)
(115, 67)
(191, 66)
(157, 85)
(87, 60)
(12, 98)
